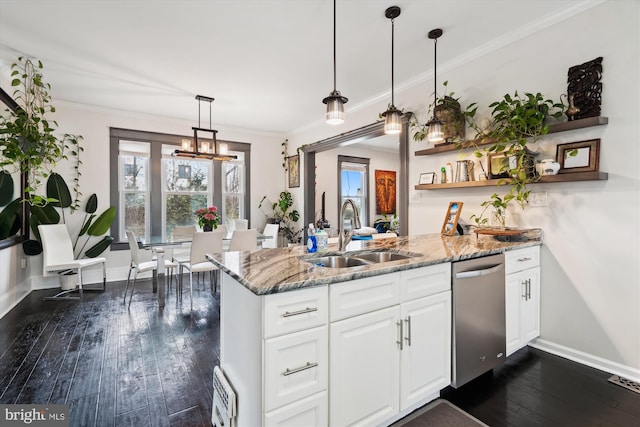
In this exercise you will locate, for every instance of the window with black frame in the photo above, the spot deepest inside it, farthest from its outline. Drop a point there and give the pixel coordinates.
(155, 191)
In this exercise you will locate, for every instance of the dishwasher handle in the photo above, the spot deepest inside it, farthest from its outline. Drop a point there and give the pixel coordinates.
(477, 273)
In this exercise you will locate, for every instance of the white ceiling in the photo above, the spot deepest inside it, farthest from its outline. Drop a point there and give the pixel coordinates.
(268, 63)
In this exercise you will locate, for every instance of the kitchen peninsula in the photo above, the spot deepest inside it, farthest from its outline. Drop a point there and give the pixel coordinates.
(362, 345)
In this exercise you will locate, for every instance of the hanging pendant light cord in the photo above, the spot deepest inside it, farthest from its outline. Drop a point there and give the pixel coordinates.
(393, 103)
(334, 45)
(435, 71)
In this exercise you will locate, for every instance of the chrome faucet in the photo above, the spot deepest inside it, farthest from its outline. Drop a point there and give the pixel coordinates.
(344, 237)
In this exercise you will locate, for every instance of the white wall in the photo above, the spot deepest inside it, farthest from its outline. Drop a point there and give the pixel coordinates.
(327, 178)
(93, 125)
(591, 256)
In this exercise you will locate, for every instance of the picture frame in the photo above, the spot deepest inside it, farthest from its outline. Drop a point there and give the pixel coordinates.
(293, 170)
(427, 178)
(581, 156)
(451, 218)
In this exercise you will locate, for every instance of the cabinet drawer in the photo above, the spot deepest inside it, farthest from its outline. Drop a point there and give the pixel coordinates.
(295, 311)
(521, 259)
(425, 281)
(309, 412)
(296, 366)
(360, 296)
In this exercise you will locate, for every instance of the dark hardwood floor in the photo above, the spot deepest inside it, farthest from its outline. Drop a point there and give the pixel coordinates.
(116, 367)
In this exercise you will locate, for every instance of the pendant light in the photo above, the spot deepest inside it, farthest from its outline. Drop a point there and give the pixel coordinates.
(335, 101)
(435, 133)
(202, 149)
(393, 116)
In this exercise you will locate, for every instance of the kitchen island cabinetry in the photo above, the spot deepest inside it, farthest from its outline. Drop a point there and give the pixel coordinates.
(303, 344)
(522, 297)
(392, 356)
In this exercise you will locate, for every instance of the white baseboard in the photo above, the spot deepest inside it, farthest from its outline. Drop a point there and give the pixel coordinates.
(13, 297)
(629, 372)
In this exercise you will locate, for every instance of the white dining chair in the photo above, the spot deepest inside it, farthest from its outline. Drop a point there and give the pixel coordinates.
(58, 258)
(270, 230)
(142, 261)
(241, 224)
(201, 244)
(244, 240)
(183, 232)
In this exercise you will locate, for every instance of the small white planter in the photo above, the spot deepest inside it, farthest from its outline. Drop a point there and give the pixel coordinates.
(69, 281)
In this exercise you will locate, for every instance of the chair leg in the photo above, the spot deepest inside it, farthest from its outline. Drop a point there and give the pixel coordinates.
(80, 283)
(126, 288)
(133, 289)
(191, 289)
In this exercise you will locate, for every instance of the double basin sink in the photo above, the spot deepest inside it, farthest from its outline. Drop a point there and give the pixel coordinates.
(357, 259)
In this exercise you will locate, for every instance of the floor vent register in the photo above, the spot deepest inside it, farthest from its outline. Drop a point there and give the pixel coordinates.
(224, 400)
(623, 382)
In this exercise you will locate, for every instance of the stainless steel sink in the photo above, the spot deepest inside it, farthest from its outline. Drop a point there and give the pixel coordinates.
(337, 261)
(382, 256)
(357, 259)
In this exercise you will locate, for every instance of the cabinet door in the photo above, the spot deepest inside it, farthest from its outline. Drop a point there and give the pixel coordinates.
(515, 291)
(364, 359)
(530, 307)
(522, 308)
(425, 361)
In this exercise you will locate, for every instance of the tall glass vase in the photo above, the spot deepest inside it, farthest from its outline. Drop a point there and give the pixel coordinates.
(498, 219)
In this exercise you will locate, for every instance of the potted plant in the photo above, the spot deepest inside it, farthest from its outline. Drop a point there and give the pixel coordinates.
(516, 121)
(208, 218)
(282, 213)
(27, 140)
(446, 108)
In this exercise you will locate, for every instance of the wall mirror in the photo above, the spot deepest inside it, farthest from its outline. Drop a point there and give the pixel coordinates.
(20, 232)
(337, 145)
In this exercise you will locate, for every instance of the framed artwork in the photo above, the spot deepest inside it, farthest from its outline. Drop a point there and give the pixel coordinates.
(385, 192)
(451, 218)
(581, 156)
(293, 169)
(427, 178)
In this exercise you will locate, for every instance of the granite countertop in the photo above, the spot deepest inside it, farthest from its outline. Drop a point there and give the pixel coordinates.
(268, 271)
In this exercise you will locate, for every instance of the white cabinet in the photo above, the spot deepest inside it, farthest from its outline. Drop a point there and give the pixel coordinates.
(388, 358)
(522, 297)
(425, 364)
(364, 360)
(274, 350)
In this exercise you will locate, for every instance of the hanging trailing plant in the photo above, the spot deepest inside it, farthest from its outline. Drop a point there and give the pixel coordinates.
(517, 120)
(27, 141)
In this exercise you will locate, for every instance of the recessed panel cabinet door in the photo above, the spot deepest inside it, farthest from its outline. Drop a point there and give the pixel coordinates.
(364, 359)
(425, 361)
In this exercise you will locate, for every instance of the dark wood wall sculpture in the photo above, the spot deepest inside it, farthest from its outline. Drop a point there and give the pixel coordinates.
(584, 90)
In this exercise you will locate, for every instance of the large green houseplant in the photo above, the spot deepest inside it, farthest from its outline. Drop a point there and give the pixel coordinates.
(516, 120)
(28, 145)
(281, 213)
(27, 140)
(93, 225)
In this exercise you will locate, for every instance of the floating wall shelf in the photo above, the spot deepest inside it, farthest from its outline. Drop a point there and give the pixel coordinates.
(565, 177)
(554, 128)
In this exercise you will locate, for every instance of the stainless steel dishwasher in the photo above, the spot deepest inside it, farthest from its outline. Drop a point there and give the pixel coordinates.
(479, 342)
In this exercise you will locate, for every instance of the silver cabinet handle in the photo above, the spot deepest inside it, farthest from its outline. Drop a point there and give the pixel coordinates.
(408, 337)
(399, 323)
(524, 259)
(481, 272)
(296, 313)
(528, 289)
(308, 365)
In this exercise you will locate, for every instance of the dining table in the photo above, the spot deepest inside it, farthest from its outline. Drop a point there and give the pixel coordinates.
(160, 245)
